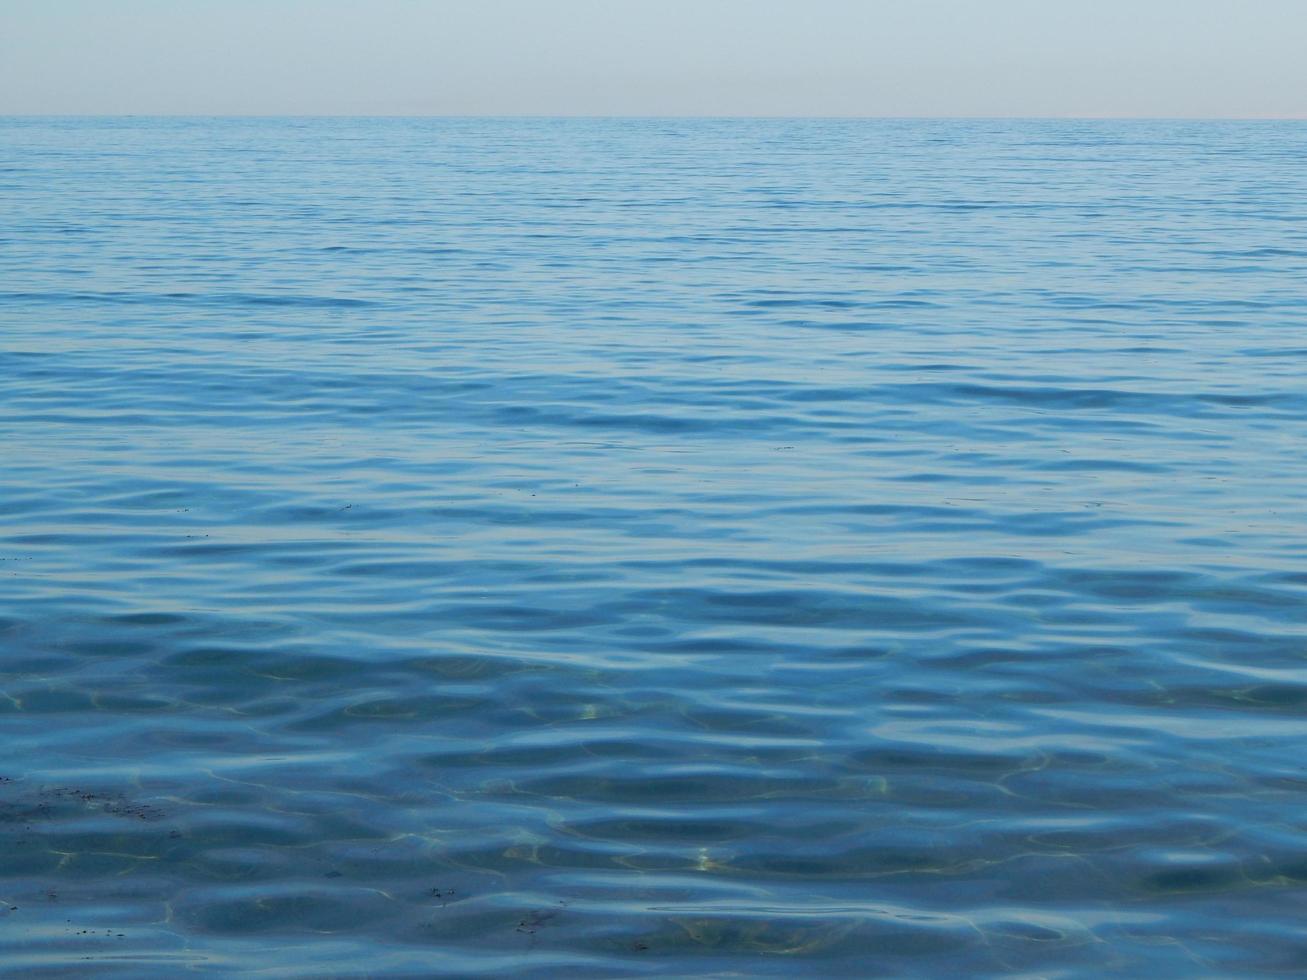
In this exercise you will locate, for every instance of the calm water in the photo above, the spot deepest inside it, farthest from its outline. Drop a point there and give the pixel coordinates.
(647, 548)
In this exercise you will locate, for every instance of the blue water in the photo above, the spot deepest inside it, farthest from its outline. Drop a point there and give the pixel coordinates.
(653, 548)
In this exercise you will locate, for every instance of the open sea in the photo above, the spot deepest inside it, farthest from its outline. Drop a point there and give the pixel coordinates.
(668, 548)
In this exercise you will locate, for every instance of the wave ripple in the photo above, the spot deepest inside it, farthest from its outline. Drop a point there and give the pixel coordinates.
(619, 548)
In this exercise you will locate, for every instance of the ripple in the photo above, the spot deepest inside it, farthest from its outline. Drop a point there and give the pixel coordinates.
(651, 547)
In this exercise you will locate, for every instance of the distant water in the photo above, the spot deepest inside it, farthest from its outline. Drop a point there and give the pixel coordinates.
(653, 548)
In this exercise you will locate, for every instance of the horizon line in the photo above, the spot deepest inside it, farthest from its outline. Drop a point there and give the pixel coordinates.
(670, 116)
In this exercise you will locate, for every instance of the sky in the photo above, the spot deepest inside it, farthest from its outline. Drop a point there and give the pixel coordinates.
(1152, 58)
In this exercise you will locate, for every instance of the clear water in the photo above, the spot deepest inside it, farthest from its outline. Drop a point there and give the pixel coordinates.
(619, 548)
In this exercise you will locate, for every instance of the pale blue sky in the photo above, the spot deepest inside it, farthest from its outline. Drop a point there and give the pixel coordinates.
(656, 57)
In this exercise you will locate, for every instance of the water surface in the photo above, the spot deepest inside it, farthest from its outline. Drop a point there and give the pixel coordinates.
(653, 548)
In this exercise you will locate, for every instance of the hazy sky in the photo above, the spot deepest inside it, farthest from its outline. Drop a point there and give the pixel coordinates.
(660, 57)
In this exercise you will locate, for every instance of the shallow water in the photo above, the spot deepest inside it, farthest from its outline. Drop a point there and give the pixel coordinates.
(618, 548)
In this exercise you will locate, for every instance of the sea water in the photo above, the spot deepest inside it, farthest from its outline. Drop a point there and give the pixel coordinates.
(597, 548)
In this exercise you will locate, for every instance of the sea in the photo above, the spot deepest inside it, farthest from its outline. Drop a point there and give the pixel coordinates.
(599, 548)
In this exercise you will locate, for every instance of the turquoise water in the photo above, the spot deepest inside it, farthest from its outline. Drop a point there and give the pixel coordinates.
(653, 548)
